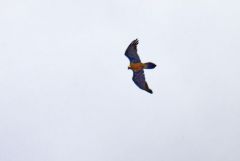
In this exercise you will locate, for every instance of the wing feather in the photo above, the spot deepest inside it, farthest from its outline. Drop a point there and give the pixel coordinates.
(131, 52)
(139, 80)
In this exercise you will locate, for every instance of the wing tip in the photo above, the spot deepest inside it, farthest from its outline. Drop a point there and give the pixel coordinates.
(147, 88)
(135, 42)
(149, 91)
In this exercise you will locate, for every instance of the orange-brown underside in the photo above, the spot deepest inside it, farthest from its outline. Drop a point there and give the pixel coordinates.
(136, 66)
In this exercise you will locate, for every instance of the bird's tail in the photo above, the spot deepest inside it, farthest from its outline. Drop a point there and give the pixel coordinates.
(149, 65)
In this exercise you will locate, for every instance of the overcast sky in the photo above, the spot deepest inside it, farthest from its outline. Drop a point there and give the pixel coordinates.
(66, 93)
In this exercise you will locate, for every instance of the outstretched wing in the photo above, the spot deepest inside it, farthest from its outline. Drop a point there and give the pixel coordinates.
(139, 80)
(131, 52)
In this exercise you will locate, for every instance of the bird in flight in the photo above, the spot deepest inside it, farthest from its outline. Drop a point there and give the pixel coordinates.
(138, 67)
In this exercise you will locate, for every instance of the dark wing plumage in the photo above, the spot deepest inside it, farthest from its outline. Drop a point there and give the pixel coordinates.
(131, 52)
(139, 80)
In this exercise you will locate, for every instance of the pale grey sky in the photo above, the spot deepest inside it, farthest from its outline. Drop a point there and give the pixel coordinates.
(66, 93)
